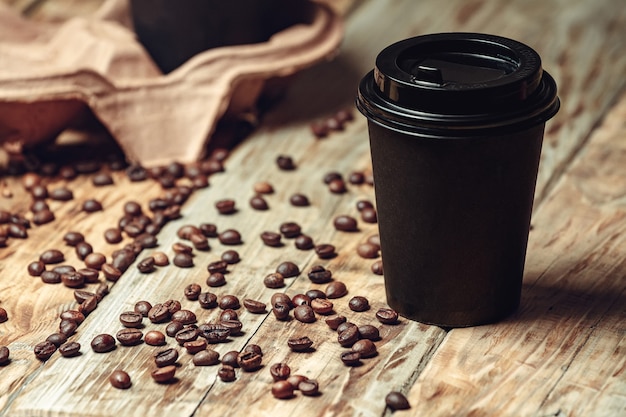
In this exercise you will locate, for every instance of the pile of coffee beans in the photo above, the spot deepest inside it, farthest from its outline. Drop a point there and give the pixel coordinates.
(333, 123)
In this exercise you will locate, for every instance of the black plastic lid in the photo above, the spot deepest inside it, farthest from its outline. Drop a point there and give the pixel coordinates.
(457, 81)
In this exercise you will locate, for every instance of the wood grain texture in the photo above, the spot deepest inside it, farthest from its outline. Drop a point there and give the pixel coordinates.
(562, 354)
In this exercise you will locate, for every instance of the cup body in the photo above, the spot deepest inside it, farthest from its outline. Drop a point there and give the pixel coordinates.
(454, 190)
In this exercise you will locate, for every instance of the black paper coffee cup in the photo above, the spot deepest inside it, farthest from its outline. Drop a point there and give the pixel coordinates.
(456, 123)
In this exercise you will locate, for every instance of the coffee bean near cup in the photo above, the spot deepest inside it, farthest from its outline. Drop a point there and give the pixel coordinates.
(456, 123)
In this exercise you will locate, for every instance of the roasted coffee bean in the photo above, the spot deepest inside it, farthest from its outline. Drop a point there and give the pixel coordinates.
(120, 379)
(322, 306)
(69, 349)
(184, 316)
(102, 290)
(337, 186)
(319, 129)
(185, 232)
(129, 337)
(300, 343)
(30, 179)
(103, 343)
(195, 346)
(336, 289)
(146, 265)
(154, 338)
(173, 327)
(44, 350)
(225, 206)
(230, 237)
(142, 307)
(123, 259)
(89, 305)
(249, 361)
(192, 291)
(83, 249)
(387, 316)
(187, 334)
(309, 387)
(315, 293)
(281, 297)
(325, 251)
(68, 173)
(95, 260)
(365, 347)
(351, 358)
(274, 280)
(344, 115)
(397, 401)
(271, 239)
(259, 203)
(102, 179)
(335, 321)
(132, 208)
(230, 358)
(199, 241)
(61, 194)
(281, 311)
(166, 357)
(230, 257)
(228, 314)
(64, 269)
(290, 229)
(72, 279)
(304, 313)
(110, 272)
(183, 260)
(263, 187)
(359, 304)
(207, 300)
(304, 242)
(206, 357)
(16, 231)
(345, 223)
(234, 326)
(92, 205)
(367, 250)
(356, 178)
(228, 301)
(146, 241)
(160, 259)
(81, 295)
(87, 167)
(72, 315)
(52, 256)
(301, 299)
(226, 373)
(253, 348)
(299, 200)
(377, 268)
(43, 217)
(282, 390)
(36, 268)
(345, 325)
(331, 176)
(113, 235)
(208, 229)
(159, 313)
(280, 371)
(90, 275)
(285, 163)
(214, 333)
(216, 279)
(367, 331)
(39, 205)
(288, 269)
(57, 338)
(320, 275)
(369, 215)
(220, 266)
(254, 306)
(131, 319)
(173, 306)
(364, 204)
(349, 336)
(164, 375)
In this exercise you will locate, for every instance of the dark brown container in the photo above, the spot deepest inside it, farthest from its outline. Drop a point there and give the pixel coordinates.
(456, 123)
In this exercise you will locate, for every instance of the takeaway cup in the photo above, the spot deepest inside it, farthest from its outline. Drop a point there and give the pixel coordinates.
(456, 123)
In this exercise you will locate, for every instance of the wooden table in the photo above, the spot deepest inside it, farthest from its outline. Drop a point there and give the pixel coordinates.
(561, 354)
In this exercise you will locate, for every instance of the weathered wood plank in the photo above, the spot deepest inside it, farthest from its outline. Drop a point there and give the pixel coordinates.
(563, 352)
